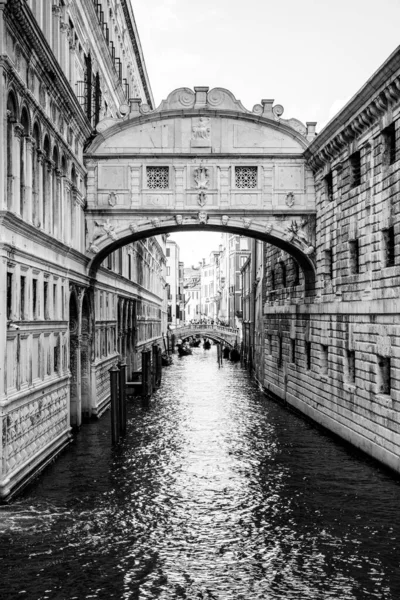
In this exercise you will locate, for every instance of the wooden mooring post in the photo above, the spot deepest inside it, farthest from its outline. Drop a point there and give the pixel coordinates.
(146, 374)
(122, 397)
(114, 384)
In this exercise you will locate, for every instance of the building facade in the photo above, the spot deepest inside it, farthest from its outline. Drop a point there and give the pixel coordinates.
(336, 358)
(64, 66)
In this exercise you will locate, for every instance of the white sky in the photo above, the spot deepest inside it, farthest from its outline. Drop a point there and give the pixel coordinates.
(311, 56)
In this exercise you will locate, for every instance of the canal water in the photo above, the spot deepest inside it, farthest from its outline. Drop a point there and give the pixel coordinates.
(216, 493)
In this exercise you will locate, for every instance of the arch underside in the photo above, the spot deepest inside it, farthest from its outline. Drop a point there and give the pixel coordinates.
(295, 248)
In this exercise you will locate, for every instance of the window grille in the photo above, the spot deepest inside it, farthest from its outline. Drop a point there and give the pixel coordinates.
(351, 366)
(389, 247)
(389, 150)
(384, 375)
(308, 355)
(246, 177)
(354, 257)
(355, 166)
(329, 186)
(157, 178)
(293, 351)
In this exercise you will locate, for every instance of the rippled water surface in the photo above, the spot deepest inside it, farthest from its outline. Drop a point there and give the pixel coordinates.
(216, 493)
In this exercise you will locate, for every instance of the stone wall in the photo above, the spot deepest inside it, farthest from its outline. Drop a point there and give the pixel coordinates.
(337, 358)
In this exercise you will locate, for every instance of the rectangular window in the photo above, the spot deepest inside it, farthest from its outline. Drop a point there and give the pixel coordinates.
(308, 355)
(328, 180)
(22, 298)
(354, 250)
(351, 366)
(129, 266)
(293, 351)
(272, 279)
(388, 246)
(168, 270)
(329, 263)
(280, 351)
(389, 145)
(384, 377)
(120, 261)
(34, 298)
(9, 294)
(62, 303)
(355, 169)
(109, 262)
(157, 178)
(168, 252)
(245, 177)
(324, 359)
(46, 299)
(269, 344)
(56, 357)
(55, 314)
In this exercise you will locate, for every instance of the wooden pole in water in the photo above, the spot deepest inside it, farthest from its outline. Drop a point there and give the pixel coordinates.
(159, 367)
(154, 368)
(122, 397)
(114, 376)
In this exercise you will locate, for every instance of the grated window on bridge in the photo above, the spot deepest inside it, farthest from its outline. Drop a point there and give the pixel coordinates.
(157, 178)
(246, 177)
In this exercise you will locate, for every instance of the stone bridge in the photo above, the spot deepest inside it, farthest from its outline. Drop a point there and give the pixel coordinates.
(201, 161)
(226, 335)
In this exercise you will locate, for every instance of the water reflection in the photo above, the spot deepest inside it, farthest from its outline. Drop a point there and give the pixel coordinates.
(216, 493)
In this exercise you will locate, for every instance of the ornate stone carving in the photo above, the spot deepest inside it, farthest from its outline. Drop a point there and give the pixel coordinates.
(156, 222)
(202, 199)
(246, 222)
(289, 199)
(101, 229)
(224, 220)
(202, 217)
(268, 227)
(94, 249)
(134, 227)
(179, 219)
(297, 230)
(201, 177)
(112, 199)
(202, 130)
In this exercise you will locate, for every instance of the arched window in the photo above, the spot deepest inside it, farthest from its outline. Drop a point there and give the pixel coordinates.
(11, 119)
(23, 162)
(56, 193)
(35, 175)
(46, 183)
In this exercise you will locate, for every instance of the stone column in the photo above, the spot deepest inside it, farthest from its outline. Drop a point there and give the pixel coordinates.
(40, 157)
(64, 48)
(28, 179)
(72, 48)
(56, 31)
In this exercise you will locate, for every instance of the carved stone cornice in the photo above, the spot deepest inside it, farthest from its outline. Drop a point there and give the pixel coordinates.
(374, 99)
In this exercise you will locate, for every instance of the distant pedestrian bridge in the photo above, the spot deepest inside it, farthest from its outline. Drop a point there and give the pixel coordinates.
(218, 333)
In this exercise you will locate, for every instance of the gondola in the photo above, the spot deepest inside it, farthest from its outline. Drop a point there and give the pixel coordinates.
(166, 359)
(195, 343)
(184, 350)
(207, 344)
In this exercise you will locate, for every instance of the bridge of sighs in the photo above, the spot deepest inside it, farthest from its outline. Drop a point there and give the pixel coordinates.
(201, 161)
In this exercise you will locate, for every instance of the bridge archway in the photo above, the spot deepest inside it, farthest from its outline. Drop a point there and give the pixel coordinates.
(201, 161)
